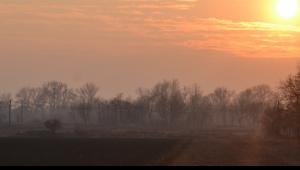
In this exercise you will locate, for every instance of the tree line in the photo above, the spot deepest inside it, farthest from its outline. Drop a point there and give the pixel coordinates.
(167, 105)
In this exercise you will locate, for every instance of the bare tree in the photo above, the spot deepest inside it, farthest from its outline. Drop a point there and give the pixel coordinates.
(4, 106)
(176, 103)
(26, 100)
(290, 99)
(221, 99)
(88, 93)
(57, 95)
(198, 108)
(143, 105)
(168, 101)
(87, 100)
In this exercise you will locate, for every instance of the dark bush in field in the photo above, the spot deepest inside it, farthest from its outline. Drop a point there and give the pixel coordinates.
(53, 125)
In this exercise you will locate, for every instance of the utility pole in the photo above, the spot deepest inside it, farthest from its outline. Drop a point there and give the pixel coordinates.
(9, 113)
(22, 112)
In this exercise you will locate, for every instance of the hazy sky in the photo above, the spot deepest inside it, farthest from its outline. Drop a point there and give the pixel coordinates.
(125, 44)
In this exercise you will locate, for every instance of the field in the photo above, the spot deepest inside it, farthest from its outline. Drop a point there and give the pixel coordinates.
(33, 151)
(231, 149)
(220, 148)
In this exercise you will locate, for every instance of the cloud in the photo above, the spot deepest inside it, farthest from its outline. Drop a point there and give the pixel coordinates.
(247, 39)
(160, 22)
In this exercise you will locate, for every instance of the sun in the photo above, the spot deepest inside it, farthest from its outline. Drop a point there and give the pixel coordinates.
(287, 9)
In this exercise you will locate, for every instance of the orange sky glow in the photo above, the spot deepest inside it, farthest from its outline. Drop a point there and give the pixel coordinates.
(107, 41)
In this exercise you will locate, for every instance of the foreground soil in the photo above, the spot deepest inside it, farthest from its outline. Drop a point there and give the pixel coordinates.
(234, 150)
(77, 151)
(203, 149)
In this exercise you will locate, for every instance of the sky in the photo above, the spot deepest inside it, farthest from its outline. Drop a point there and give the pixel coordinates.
(121, 45)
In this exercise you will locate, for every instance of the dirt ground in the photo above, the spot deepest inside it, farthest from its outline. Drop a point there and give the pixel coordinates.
(225, 149)
(202, 149)
(79, 151)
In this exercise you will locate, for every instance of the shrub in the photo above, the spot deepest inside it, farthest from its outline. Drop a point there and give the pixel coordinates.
(53, 125)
